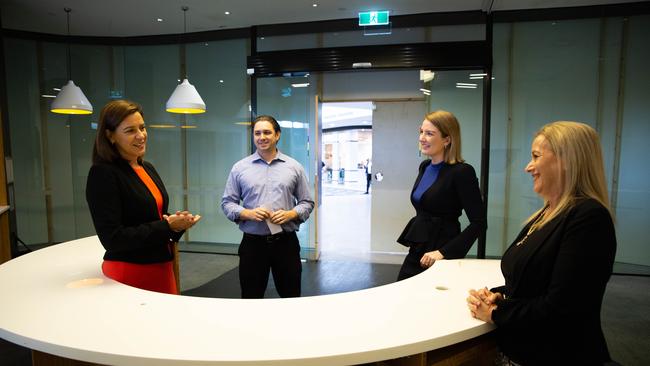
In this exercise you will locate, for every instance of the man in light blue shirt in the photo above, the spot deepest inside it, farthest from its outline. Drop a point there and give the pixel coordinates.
(268, 196)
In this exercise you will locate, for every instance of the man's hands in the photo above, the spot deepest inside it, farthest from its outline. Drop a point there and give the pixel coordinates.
(278, 217)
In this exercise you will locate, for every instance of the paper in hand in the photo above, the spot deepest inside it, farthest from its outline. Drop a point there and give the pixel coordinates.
(274, 228)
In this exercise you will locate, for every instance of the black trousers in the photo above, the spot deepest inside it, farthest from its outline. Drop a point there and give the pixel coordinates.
(259, 254)
(411, 265)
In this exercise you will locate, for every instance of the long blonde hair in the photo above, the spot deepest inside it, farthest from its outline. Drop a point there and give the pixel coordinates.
(577, 147)
(448, 126)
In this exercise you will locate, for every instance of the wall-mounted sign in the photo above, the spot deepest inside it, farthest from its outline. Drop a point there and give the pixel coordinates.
(370, 18)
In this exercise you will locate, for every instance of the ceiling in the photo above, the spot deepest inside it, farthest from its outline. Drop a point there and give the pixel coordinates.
(123, 18)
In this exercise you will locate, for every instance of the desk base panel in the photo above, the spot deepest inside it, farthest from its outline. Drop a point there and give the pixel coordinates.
(479, 351)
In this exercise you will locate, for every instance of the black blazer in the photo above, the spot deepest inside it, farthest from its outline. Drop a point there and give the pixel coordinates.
(436, 221)
(125, 214)
(555, 281)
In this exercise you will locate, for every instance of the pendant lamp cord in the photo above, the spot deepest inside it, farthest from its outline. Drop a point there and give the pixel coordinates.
(185, 9)
(69, 59)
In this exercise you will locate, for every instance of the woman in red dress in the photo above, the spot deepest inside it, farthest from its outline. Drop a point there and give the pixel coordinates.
(128, 203)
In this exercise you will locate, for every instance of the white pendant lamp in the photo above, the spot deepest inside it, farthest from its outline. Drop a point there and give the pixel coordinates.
(185, 99)
(71, 100)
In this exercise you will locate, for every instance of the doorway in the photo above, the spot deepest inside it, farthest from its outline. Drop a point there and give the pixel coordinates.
(346, 147)
(346, 200)
(399, 99)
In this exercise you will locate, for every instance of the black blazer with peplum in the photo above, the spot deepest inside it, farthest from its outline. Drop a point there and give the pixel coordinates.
(436, 222)
(125, 214)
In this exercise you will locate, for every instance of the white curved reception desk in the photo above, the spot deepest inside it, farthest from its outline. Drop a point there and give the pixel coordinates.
(57, 301)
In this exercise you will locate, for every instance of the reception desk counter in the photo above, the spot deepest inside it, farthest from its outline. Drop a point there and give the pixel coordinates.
(57, 301)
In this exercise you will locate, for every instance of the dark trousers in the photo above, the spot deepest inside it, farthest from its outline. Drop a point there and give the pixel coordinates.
(411, 265)
(368, 180)
(259, 254)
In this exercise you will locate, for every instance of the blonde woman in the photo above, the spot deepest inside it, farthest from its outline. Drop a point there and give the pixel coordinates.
(556, 270)
(445, 186)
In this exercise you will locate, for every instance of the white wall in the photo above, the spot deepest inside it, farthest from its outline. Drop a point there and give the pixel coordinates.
(396, 155)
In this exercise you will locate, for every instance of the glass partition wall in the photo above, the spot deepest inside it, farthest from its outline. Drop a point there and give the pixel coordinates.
(193, 154)
(590, 70)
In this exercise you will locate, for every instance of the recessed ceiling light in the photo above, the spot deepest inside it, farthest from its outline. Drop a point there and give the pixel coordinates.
(159, 19)
(221, 81)
(226, 12)
(314, 5)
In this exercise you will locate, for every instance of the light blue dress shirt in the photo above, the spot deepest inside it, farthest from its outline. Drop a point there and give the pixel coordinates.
(280, 185)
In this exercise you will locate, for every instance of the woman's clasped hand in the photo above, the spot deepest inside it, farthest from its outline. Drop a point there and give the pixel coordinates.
(482, 302)
(181, 220)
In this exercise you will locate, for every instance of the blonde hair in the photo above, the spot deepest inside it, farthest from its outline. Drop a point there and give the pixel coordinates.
(448, 126)
(577, 147)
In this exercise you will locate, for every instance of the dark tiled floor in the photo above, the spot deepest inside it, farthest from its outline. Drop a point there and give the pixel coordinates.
(318, 278)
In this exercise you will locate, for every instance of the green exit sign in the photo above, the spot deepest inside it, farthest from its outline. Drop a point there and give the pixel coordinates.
(373, 18)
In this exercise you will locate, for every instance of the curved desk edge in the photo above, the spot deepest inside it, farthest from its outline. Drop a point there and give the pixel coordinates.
(322, 341)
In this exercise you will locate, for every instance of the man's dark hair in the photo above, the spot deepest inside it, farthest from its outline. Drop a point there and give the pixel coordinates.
(267, 118)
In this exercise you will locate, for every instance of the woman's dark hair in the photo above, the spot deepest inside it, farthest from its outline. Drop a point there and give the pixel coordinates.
(110, 117)
(267, 118)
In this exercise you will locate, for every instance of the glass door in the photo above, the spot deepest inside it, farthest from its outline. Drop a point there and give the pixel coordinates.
(396, 155)
(294, 104)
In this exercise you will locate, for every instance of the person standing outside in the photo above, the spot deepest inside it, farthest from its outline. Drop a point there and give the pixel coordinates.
(268, 196)
(368, 169)
(445, 186)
